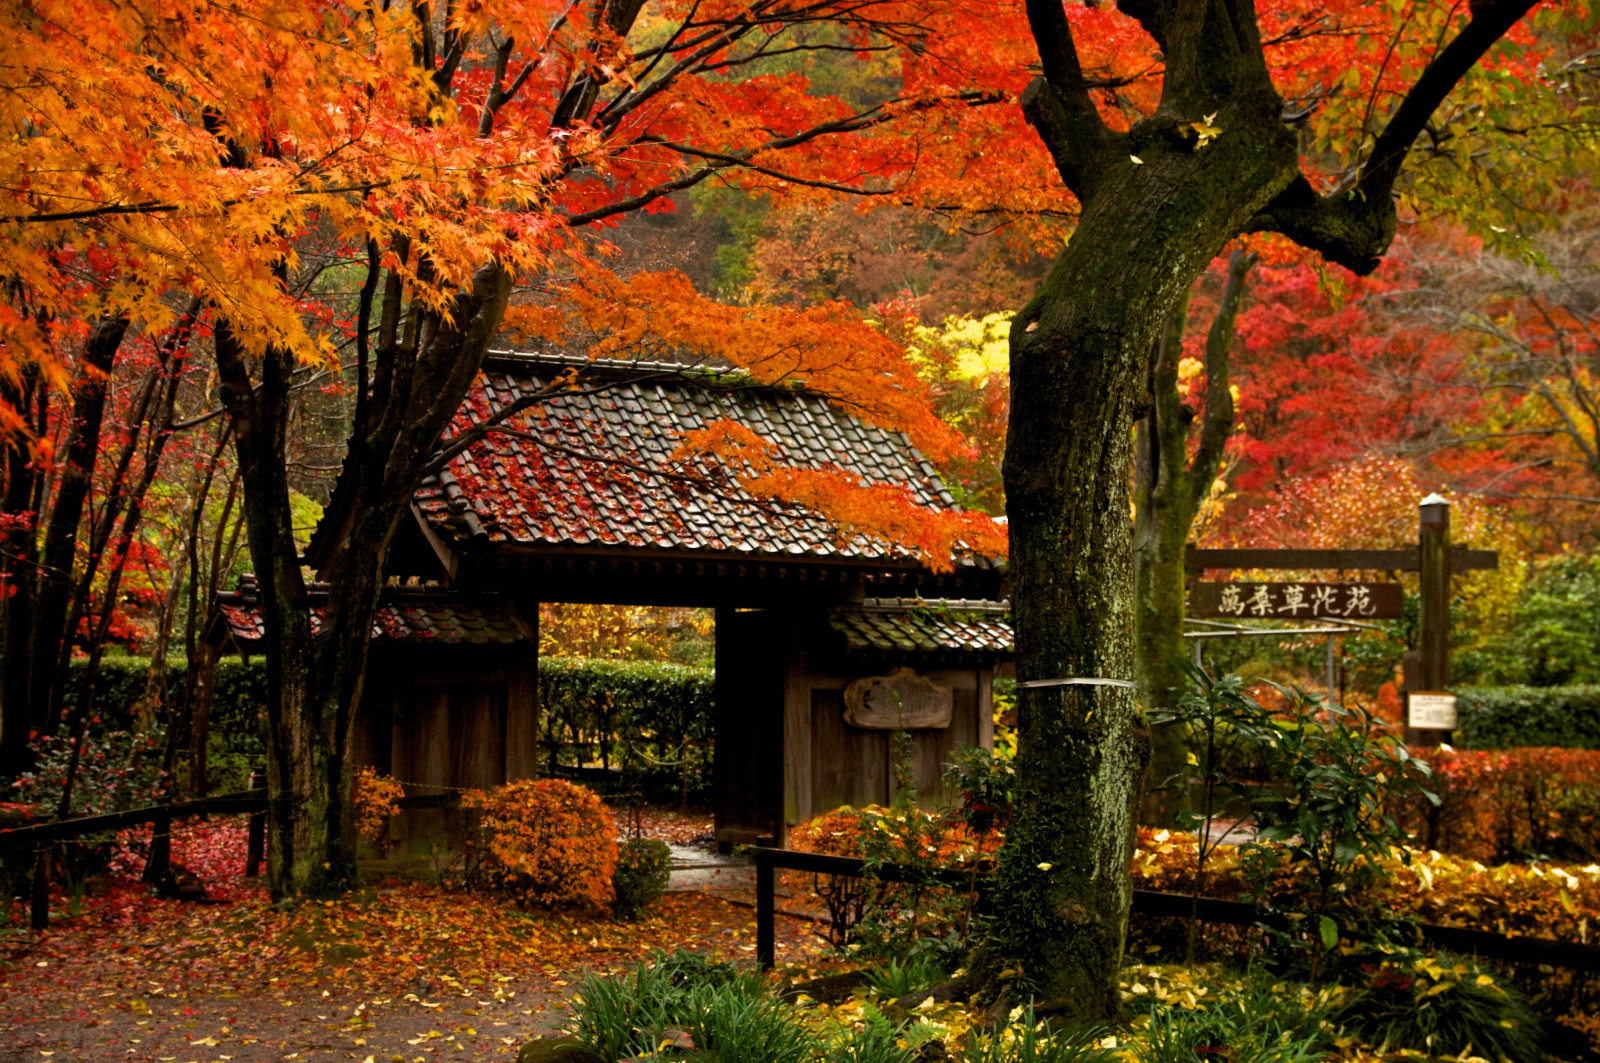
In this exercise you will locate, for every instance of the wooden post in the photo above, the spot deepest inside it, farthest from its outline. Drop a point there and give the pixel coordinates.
(766, 913)
(40, 915)
(1433, 628)
(160, 859)
(256, 841)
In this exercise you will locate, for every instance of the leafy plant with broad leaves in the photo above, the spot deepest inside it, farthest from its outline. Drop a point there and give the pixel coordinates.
(1028, 1040)
(985, 784)
(1343, 772)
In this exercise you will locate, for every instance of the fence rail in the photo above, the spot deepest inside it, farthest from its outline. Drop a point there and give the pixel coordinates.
(40, 837)
(1567, 954)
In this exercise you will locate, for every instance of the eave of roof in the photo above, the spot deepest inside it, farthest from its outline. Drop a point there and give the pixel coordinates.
(935, 626)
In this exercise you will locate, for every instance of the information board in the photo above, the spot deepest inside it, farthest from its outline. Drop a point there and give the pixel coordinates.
(1431, 710)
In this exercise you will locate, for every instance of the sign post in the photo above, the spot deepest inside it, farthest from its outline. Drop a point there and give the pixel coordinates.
(1427, 668)
(1432, 673)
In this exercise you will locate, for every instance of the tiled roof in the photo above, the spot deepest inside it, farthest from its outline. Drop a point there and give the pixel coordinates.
(592, 466)
(925, 625)
(409, 617)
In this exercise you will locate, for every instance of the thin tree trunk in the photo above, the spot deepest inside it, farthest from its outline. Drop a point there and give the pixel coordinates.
(1170, 486)
(18, 577)
(59, 557)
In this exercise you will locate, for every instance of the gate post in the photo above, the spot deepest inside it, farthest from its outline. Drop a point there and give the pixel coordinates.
(1433, 627)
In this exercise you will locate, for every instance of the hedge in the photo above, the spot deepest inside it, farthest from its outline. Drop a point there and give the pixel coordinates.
(650, 720)
(1509, 717)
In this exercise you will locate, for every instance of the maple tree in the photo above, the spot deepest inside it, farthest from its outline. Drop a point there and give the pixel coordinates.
(182, 154)
(1165, 181)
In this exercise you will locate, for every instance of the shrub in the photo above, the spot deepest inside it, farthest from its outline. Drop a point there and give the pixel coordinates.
(894, 920)
(644, 865)
(1508, 717)
(543, 842)
(377, 799)
(1443, 1006)
(1511, 804)
(118, 770)
(1541, 900)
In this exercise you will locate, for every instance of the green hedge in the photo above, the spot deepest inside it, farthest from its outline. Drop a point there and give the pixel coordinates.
(238, 701)
(649, 722)
(1508, 717)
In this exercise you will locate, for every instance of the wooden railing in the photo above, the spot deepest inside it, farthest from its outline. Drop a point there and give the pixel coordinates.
(39, 837)
(1483, 943)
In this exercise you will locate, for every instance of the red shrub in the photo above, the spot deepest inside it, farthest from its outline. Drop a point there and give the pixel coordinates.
(1500, 805)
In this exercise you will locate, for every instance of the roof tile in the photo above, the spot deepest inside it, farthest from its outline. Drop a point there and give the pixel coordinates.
(603, 477)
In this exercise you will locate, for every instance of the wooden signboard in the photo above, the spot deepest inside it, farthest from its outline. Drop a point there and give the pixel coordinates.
(1296, 601)
(901, 700)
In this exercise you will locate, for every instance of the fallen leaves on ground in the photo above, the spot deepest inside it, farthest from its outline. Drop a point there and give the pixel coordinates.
(399, 971)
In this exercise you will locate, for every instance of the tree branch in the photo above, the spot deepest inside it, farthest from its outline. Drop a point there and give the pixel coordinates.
(1354, 226)
(1058, 105)
(1217, 425)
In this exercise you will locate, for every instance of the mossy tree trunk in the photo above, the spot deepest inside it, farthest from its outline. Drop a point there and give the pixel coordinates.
(1170, 486)
(1158, 204)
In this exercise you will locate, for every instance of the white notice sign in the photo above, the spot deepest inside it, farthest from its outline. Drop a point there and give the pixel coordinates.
(1432, 711)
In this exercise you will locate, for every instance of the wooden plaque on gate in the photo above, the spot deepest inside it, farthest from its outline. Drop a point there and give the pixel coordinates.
(1297, 601)
(901, 700)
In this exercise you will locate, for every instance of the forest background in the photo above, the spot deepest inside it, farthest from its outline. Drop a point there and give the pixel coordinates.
(1460, 365)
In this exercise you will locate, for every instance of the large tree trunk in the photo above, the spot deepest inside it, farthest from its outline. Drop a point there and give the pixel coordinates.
(1078, 353)
(314, 679)
(1159, 202)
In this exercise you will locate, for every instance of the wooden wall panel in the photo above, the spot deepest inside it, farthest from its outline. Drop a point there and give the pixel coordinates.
(932, 748)
(477, 724)
(849, 765)
(522, 722)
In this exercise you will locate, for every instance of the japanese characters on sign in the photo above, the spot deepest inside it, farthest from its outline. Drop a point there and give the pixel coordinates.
(1296, 601)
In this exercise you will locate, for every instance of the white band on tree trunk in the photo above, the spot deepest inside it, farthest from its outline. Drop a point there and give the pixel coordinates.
(1076, 682)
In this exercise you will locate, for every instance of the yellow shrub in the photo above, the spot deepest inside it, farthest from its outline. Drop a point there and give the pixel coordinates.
(544, 842)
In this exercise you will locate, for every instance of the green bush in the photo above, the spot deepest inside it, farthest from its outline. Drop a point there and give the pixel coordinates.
(1510, 717)
(643, 867)
(1442, 1006)
(651, 720)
